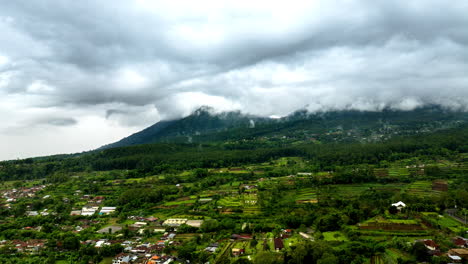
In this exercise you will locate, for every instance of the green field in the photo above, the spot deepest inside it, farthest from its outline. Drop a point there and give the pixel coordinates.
(444, 221)
(179, 202)
(307, 195)
(421, 189)
(230, 201)
(334, 236)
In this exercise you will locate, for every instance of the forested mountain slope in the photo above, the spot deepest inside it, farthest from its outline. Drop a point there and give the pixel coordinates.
(335, 126)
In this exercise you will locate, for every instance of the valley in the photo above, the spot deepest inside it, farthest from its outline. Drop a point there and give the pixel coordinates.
(288, 203)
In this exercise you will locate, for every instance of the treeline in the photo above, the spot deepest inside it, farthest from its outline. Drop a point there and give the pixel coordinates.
(158, 158)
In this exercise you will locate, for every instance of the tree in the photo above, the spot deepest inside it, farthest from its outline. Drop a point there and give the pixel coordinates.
(253, 243)
(185, 251)
(71, 243)
(268, 258)
(209, 225)
(328, 258)
(393, 209)
(241, 261)
(420, 251)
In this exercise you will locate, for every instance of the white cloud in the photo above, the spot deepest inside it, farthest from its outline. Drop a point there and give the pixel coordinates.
(125, 67)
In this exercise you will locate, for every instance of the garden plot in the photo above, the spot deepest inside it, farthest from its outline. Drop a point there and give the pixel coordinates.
(388, 227)
(442, 221)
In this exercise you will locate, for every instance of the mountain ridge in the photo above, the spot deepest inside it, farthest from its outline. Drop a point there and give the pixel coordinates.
(207, 125)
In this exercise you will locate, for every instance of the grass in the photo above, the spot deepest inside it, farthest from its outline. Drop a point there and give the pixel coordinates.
(375, 233)
(106, 261)
(382, 220)
(392, 254)
(181, 202)
(445, 221)
(334, 236)
(185, 237)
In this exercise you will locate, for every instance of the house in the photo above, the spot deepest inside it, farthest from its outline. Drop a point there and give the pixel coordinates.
(460, 242)
(212, 247)
(154, 260)
(278, 244)
(238, 251)
(461, 252)
(236, 236)
(205, 200)
(121, 258)
(306, 236)
(75, 212)
(286, 233)
(151, 219)
(194, 223)
(32, 213)
(139, 224)
(174, 222)
(107, 210)
(454, 258)
(400, 205)
(102, 242)
(88, 211)
(430, 244)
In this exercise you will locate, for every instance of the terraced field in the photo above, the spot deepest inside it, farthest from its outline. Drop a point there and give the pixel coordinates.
(251, 210)
(230, 201)
(250, 200)
(307, 195)
(422, 189)
(353, 190)
(398, 172)
(179, 202)
(443, 221)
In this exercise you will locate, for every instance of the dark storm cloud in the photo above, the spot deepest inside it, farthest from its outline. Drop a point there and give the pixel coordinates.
(85, 44)
(131, 63)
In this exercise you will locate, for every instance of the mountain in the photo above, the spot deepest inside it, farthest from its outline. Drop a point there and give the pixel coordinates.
(204, 125)
(203, 121)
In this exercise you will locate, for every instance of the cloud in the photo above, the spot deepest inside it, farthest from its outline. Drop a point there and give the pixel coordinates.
(136, 62)
(62, 122)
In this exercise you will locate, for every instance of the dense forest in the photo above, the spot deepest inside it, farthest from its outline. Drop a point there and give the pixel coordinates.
(163, 157)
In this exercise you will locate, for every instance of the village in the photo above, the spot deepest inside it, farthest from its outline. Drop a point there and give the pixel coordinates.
(230, 221)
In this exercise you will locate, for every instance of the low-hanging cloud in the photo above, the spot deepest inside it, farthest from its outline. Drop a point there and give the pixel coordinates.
(123, 66)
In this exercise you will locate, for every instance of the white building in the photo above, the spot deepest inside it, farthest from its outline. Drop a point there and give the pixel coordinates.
(400, 205)
(107, 210)
(175, 221)
(194, 223)
(88, 211)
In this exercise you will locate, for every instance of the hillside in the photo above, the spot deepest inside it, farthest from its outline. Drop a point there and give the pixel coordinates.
(264, 190)
(204, 126)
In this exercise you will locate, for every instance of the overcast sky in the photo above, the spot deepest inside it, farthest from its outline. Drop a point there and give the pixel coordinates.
(75, 75)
